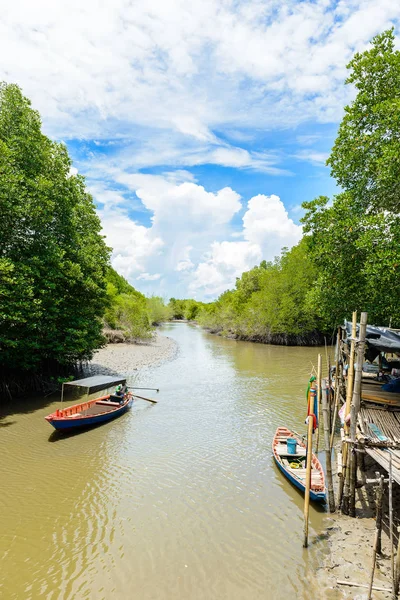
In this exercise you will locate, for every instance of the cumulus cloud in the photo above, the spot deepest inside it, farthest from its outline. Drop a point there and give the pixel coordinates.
(94, 69)
(266, 229)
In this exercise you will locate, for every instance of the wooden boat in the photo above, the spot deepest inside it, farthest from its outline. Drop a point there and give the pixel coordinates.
(293, 466)
(90, 413)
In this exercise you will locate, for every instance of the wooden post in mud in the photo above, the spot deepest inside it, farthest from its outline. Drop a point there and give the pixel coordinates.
(353, 480)
(379, 513)
(336, 397)
(319, 371)
(325, 411)
(391, 525)
(308, 477)
(397, 570)
(379, 494)
(345, 480)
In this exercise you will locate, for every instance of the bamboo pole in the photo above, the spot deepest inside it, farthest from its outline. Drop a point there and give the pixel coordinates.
(356, 399)
(308, 478)
(319, 371)
(325, 411)
(336, 396)
(397, 571)
(376, 588)
(379, 494)
(391, 525)
(379, 515)
(355, 408)
(353, 478)
(343, 483)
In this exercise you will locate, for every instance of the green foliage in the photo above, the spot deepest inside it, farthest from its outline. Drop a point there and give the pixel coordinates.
(365, 159)
(269, 300)
(358, 259)
(355, 242)
(157, 311)
(184, 309)
(127, 308)
(53, 259)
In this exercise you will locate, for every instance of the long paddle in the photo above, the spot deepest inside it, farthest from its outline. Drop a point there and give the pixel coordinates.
(143, 398)
(143, 388)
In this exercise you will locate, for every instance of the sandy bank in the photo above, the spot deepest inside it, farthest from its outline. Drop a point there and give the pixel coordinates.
(129, 358)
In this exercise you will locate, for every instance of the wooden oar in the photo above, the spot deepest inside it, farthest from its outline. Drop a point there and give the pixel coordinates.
(143, 398)
(143, 388)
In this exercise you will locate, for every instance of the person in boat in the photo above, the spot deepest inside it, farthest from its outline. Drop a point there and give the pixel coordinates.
(119, 394)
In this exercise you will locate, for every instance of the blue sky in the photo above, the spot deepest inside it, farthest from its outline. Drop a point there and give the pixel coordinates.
(200, 126)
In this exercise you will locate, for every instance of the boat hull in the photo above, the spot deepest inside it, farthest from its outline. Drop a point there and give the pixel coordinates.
(316, 495)
(84, 422)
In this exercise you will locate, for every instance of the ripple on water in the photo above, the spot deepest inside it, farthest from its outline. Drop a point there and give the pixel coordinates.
(175, 500)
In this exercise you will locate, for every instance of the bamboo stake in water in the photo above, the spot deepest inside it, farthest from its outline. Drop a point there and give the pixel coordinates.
(319, 371)
(325, 411)
(308, 478)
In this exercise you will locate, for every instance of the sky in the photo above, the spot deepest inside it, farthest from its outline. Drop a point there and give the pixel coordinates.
(200, 126)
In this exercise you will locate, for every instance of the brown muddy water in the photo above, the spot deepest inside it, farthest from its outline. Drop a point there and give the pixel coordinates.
(179, 500)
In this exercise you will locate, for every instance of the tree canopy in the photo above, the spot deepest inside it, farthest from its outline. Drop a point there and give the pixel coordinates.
(53, 259)
(365, 159)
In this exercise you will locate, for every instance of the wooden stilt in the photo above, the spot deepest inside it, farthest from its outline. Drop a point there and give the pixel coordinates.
(378, 529)
(325, 411)
(391, 526)
(346, 486)
(379, 514)
(356, 398)
(353, 479)
(344, 489)
(397, 571)
(336, 396)
(308, 479)
(319, 371)
(355, 408)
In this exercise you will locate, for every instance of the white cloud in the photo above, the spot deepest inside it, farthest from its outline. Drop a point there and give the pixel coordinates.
(312, 156)
(191, 67)
(148, 277)
(227, 261)
(266, 229)
(267, 223)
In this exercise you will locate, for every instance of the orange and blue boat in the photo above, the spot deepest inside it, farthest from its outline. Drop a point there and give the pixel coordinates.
(92, 412)
(290, 452)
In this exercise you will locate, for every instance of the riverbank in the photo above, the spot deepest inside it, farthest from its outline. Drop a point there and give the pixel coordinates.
(128, 358)
(351, 540)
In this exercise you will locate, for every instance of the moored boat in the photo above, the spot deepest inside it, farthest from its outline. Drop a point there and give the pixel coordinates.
(92, 412)
(293, 464)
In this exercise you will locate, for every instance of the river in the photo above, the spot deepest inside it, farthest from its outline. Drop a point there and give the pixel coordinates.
(179, 500)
